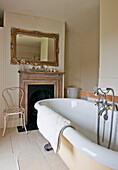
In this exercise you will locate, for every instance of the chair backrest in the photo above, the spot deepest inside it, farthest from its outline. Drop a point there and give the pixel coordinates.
(13, 96)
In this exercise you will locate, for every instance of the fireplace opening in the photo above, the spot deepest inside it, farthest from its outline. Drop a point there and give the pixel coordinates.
(36, 93)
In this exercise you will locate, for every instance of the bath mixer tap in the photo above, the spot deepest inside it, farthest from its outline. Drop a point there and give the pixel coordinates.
(98, 102)
(107, 107)
(104, 107)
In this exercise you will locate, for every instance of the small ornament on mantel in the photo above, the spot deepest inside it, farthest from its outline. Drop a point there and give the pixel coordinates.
(52, 69)
(23, 66)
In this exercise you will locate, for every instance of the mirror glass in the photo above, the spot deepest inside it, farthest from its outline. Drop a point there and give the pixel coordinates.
(32, 47)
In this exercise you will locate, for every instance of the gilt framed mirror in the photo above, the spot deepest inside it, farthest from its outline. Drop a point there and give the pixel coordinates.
(34, 47)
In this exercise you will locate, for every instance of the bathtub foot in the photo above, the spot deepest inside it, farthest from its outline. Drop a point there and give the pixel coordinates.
(48, 147)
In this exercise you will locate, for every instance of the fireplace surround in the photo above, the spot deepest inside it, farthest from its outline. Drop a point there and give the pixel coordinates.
(42, 85)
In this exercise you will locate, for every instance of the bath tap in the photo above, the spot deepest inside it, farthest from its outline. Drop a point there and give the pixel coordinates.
(107, 107)
(98, 102)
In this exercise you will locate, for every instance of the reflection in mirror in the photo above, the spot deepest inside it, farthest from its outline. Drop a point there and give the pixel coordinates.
(34, 47)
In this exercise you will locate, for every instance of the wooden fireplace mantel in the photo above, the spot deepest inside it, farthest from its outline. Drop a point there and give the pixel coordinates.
(39, 78)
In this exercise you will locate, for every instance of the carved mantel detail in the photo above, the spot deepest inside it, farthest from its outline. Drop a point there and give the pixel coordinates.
(39, 78)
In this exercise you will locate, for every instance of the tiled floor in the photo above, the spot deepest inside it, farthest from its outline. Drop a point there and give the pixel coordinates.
(19, 151)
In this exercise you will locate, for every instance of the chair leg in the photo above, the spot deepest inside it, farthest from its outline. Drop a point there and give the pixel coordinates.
(22, 120)
(5, 124)
(24, 123)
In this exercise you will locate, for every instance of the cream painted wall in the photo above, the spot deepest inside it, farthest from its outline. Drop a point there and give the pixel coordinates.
(81, 62)
(108, 73)
(90, 58)
(2, 69)
(8, 72)
(72, 59)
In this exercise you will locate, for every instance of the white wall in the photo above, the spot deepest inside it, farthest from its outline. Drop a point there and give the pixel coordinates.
(9, 76)
(90, 58)
(2, 70)
(108, 73)
(81, 62)
(72, 59)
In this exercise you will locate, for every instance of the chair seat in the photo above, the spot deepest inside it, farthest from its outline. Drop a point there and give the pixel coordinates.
(13, 110)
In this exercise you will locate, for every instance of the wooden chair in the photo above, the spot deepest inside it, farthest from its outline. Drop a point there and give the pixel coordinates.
(13, 98)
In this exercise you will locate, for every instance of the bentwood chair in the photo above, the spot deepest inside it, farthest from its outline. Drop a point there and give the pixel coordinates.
(13, 98)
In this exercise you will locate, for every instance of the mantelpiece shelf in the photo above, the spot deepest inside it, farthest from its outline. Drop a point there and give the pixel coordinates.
(40, 72)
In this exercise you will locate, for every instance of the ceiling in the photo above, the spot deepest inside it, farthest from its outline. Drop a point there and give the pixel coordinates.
(79, 15)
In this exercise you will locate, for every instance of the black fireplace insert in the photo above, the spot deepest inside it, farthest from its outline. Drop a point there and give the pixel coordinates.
(36, 93)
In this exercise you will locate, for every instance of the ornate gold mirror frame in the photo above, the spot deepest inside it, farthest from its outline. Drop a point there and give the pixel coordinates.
(34, 47)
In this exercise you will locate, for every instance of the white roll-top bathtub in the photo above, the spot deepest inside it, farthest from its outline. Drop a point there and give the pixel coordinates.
(84, 138)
